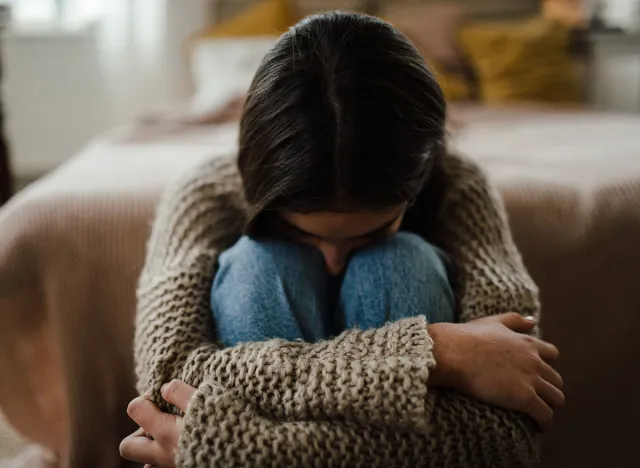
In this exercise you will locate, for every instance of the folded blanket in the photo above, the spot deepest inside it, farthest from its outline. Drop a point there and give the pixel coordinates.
(361, 399)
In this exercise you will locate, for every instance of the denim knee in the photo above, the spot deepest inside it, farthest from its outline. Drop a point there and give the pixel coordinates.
(416, 253)
(268, 289)
(266, 256)
(401, 277)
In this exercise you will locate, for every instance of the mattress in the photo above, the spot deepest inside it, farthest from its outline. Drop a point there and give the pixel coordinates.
(73, 245)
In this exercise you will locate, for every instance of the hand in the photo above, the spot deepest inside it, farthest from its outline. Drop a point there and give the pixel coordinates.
(494, 360)
(156, 442)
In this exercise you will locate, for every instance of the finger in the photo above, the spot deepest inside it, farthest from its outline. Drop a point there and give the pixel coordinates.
(148, 416)
(517, 322)
(549, 374)
(550, 394)
(541, 412)
(141, 449)
(547, 351)
(178, 394)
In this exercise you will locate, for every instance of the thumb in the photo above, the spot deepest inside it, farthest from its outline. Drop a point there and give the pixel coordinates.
(178, 394)
(517, 322)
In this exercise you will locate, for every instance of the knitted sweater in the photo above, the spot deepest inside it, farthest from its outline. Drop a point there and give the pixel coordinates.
(360, 399)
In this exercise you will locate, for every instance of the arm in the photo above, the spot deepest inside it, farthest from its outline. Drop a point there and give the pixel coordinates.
(472, 228)
(237, 435)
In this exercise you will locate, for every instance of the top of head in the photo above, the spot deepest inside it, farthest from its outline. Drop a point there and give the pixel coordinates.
(342, 115)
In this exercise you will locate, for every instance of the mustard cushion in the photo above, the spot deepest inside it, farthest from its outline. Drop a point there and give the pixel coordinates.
(522, 61)
(266, 18)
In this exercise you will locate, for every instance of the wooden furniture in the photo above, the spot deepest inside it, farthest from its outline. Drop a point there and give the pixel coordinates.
(615, 71)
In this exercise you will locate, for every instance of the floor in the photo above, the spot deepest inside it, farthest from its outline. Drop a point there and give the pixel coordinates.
(10, 442)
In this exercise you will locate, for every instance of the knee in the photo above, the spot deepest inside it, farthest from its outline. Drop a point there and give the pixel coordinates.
(427, 256)
(251, 262)
(410, 254)
(412, 268)
(257, 289)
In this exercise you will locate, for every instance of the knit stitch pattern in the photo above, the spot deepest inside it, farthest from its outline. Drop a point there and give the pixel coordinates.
(360, 399)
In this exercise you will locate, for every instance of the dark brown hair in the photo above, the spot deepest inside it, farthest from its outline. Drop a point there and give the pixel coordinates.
(342, 115)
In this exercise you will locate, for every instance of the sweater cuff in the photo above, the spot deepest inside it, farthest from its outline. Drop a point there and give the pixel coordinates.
(380, 376)
(213, 415)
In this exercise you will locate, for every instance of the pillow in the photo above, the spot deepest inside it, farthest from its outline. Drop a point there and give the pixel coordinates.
(225, 58)
(522, 61)
(568, 12)
(433, 28)
(266, 18)
(222, 71)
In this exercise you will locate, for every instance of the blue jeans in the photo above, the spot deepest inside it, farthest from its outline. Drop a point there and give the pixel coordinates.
(272, 288)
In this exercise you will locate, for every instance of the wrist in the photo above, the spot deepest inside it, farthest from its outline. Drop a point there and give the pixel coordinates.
(444, 373)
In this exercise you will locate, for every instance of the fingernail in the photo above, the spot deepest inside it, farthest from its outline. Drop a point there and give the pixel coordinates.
(163, 389)
(530, 318)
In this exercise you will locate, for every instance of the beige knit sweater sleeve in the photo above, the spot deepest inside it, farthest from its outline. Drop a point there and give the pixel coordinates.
(360, 399)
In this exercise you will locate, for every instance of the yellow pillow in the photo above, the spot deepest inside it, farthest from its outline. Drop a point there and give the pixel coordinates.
(266, 18)
(523, 61)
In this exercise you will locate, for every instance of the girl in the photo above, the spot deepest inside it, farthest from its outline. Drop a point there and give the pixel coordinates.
(322, 336)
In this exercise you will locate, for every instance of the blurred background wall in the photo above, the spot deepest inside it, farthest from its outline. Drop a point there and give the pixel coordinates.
(77, 67)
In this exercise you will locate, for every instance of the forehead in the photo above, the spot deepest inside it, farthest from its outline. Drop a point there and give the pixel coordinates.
(338, 226)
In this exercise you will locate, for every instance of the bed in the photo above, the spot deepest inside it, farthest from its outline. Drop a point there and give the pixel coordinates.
(72, 246)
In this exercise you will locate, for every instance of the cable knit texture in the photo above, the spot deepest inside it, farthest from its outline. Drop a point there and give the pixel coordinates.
(360, 399)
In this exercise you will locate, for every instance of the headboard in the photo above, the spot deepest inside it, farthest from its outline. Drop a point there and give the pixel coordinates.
(495, 9)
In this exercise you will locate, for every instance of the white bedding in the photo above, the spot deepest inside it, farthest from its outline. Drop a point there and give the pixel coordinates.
(566, 147)
(515, 145)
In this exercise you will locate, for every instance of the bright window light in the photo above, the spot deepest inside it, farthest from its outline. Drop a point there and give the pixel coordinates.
(54, 14)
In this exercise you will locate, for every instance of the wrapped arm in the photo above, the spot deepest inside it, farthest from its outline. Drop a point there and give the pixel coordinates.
(358, 391)
(222, 429)
(472, 228)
